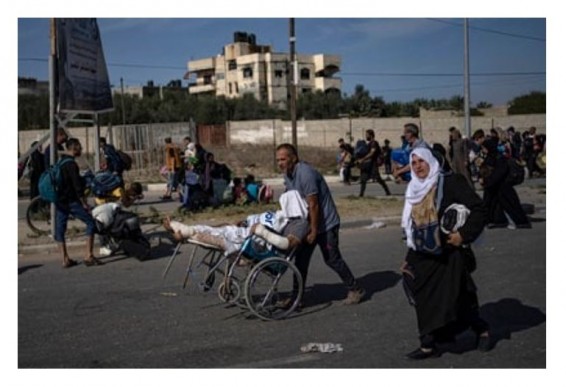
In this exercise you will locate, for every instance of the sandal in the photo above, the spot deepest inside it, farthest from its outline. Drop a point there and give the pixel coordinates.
(69, 263)
(93, 262)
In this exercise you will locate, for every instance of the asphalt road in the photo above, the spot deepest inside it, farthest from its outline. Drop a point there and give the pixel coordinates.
(124, 315)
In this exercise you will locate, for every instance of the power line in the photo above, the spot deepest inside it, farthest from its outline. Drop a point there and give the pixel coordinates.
(490, 30)
(385, 74)
(131, 65)
(442, 74)
(459, 85)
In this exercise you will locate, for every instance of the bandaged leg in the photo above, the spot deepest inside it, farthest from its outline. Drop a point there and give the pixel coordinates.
(278, 241)
(186, 231)
(209, 239)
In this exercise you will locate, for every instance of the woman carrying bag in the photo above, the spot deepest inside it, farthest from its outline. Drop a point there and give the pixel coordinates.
(441, 217)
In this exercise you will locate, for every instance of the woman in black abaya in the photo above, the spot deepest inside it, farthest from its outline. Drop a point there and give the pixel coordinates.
(499, 195)
(438, 265)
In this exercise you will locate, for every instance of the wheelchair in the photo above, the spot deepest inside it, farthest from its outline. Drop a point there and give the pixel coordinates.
(271, 288)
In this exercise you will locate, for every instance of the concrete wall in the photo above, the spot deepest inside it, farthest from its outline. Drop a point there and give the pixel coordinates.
(319, 133)
(325, 133)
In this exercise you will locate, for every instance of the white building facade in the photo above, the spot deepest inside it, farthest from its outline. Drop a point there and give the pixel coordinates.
(245, 67)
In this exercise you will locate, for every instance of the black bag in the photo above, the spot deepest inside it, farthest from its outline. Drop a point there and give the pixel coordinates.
(126, 224)
(516, 174)
(126, 160)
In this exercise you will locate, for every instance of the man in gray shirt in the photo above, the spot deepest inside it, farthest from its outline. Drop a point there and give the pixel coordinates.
(323, 219)
(411, 134)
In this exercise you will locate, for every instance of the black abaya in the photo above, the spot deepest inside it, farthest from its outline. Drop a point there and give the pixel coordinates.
(444, 292)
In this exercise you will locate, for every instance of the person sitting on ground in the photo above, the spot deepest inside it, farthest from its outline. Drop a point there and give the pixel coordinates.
(239, 192)
(252, 189)
(125, 197)
(283, 229)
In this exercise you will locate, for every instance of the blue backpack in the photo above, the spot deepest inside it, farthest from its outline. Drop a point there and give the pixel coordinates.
(103, 183)
(51, 180)
(113, 159)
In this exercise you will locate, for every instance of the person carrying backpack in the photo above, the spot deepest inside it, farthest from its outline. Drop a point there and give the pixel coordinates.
(114, 161)
(71, 200)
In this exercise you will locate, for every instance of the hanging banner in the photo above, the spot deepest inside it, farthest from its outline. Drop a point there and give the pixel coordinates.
(83, 83)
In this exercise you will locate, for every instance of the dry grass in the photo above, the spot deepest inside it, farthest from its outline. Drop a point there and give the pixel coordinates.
(258, 160)
(349, 208)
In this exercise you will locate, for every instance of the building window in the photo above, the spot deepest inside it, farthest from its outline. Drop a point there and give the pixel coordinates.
(306, 90)
(278, 73)
(232, 64)
(207, 79)
(230, 88)
(248, 72)
(236, 84)
(305, 74)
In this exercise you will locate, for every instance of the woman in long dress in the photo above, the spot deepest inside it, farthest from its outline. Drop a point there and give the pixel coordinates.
(439, 262)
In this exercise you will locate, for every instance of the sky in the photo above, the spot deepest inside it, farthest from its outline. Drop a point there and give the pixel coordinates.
(399, 59)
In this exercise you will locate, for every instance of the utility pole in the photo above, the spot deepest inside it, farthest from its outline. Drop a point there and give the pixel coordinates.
(293, 85)
(52, 105)
(123, 108)
(467, 120)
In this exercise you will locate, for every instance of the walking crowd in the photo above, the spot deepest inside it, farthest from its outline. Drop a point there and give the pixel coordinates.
(441, 217)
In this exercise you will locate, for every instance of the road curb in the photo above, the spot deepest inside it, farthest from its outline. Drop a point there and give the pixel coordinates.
(276, 181)
(348, 224)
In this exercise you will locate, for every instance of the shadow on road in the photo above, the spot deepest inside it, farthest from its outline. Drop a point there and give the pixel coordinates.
(510, 315)
(23, 269)
(505, 317)
(372, 283)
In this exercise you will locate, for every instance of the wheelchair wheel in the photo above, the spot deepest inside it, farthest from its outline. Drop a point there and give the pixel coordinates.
(230, 293)
(268, 289)
(38, 216)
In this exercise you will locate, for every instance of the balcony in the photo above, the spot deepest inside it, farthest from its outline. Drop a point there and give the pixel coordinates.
(202, 65)
(197, 89)
(326, 65)
(324, 84)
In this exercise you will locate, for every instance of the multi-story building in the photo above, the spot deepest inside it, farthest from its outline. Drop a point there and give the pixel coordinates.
(150, 90)
(246, 67)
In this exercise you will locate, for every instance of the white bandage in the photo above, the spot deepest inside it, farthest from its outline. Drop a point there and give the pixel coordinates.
(278, 241)
(186, 231)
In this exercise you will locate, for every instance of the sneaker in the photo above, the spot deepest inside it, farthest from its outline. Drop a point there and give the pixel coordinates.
(105, 251)
(511, 226)
(354, 297)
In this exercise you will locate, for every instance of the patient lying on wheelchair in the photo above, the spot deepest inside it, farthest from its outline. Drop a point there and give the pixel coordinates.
(284, 229)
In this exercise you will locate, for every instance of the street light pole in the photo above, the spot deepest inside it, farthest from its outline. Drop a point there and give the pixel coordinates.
(467, 120)
(122, 100)
(53, 104)
(293, 84)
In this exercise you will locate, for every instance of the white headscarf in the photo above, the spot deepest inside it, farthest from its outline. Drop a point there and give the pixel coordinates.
(418, 188)
(293, 205)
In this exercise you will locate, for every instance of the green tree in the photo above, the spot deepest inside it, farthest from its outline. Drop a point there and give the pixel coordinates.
(33, 112)
(532, 103)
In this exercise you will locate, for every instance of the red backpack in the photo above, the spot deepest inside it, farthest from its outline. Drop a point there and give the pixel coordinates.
(265, 195)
